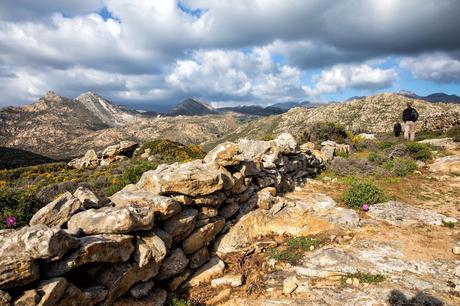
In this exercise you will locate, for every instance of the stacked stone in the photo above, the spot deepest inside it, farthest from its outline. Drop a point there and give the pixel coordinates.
(153, 236)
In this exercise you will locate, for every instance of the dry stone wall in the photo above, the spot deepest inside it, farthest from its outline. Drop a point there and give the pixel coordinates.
(153, 236)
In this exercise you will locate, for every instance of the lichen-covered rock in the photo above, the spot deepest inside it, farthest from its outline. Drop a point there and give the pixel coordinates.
(156, 297)
(87, 198)
(113, 220)
(141, 289)
(446, 165)
(228, 210)
(5, 298)
(58, 212)
(214, 199)
(89, 160)
(174, 264)
(17, 271)
(175, 282)
(182, 224)
(28, 297)
(286, 144)
(167, 238)
(74, 296)
(98, 248)
(36, 242)
(224, 154)
(202, 236)
(204, 275)
(164, 207)
(193, 178)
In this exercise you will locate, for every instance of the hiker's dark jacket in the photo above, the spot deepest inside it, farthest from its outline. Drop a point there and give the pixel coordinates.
(410, 114)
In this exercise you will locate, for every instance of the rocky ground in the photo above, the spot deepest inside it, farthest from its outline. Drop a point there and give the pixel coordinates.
(402, 252)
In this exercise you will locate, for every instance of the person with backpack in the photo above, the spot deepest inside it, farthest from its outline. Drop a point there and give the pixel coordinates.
(397, 128)
(410, 116)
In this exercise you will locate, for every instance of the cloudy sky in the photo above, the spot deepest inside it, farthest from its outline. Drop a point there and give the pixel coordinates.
(157, 52)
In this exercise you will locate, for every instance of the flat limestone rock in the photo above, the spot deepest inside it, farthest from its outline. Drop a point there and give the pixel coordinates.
(17, 271)
(113, 220)
(204, 275)
(202, 236)
(164, 207)
(446, 165)
(98, 248)
(58, 212)
(397, 213)
(89, 160)
(149, 247)
(37, 242)
(193, 178)
(124, 148)
(446, 143)
(224, 154)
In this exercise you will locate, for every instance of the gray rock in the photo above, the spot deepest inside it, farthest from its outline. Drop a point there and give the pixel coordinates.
(202, 236)
(58, 212)
(36, 242)
(113, 220)
(141, 289)
(164, 207)
(124, 148)
(17, 271)
(182, 224)
(98, 248)
(398, 213)
(224, 154)
(199, 258)
(89, 160)
(228, 210)
(192, 178)
(149, 247)
(87, 198)
(204, 275)
(174, 264)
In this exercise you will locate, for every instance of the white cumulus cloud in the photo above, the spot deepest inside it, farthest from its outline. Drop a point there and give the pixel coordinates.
(434, 67)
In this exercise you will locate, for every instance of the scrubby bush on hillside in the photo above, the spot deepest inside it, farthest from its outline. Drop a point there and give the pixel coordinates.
(403, 166)
(19, 203)
(426, 134)
(323, 131)
(377, 158)
(419, 151)
(363, 192)
(454, 132)
(167, 151)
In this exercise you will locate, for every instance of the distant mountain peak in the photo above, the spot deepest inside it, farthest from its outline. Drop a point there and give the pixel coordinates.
(193, 107)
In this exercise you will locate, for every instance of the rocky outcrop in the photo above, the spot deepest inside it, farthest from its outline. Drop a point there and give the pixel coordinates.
(109, 155)
(157, 233)
(446, 165)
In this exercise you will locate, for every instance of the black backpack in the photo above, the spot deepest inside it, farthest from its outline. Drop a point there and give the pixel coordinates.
(414, 115)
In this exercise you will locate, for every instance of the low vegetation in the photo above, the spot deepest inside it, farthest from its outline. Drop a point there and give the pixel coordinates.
(363, 192)
(365, 278)
(25, 190)
(294, 248)
(419, 151)
(323, 131)
(454, 132)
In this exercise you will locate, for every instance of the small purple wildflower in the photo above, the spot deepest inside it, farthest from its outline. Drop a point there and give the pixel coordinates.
(365, 207)
(11, 221)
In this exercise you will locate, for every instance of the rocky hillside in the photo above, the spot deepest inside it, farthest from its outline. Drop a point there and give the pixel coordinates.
(375, 114)
(53, 120)
(192, 107)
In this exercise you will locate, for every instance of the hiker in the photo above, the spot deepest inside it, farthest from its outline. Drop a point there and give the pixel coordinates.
(410, 116)
(397, 129)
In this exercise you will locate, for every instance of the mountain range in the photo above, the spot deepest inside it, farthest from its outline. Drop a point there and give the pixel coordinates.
(61, 128)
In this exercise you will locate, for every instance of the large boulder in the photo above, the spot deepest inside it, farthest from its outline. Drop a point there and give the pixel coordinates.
(202, 236)
(193, 178)
(124, 148)
(17, 271)
(254, 150)
(113, 220)
(225, 154)
(164, 207)
(98, 248)
(89, 160)
(182, 224)
(287, 144)
(58, 212)
(36, 242)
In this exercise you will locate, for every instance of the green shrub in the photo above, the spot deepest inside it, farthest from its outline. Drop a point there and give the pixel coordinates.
(454, 132)
(363, 192)
(366, 278)
(129, 176)
(175, 301)
(167, 151)
(419, 151)
(323, 131)
(19, 203)
(426, 134)
(296, 247)
(382, 145)
(342, 154)
(403, 166)
(376, 158)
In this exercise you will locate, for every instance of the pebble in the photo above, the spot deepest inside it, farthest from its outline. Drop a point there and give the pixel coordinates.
(355, 282)
(349, 281)
(312, 247)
